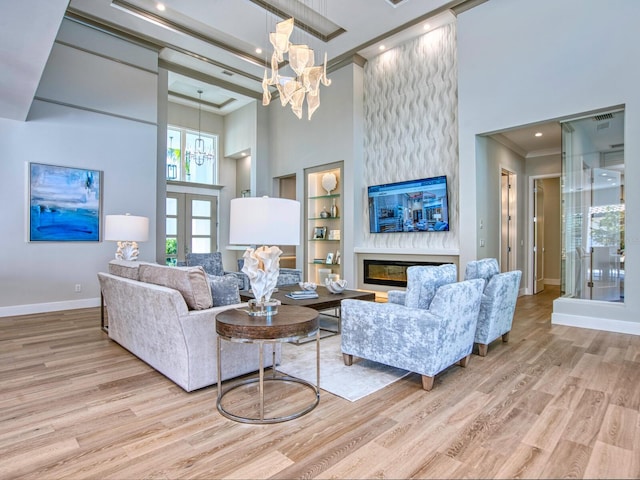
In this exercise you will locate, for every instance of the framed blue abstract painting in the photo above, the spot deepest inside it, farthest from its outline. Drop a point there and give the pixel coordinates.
(64, 204)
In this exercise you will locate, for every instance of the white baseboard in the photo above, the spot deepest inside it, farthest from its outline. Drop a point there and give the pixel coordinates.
(593, 323)
(552, 281)
(48, 307)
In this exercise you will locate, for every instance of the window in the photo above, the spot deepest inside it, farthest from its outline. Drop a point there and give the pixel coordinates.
(191, 156)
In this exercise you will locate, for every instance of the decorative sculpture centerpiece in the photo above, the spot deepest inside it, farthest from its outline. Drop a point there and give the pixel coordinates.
(329, 182)
(335, 286)
(307, 286)
(265, 221)
(262, 266)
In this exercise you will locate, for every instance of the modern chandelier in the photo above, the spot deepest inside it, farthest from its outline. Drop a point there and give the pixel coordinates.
(199, 154)
(305, 84)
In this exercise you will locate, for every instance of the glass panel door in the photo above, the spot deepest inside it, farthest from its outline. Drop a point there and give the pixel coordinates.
(605, 235)
(174, 240)
(593, 207)
(202, 222)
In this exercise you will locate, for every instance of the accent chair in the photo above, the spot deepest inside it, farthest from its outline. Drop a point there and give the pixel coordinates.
(426, 338)
(422, 283)
(498, 301)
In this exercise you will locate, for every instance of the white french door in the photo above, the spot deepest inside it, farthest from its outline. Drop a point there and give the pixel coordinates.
(191, 225)
(508, 221)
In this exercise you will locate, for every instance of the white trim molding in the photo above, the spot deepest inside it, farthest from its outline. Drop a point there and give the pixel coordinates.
(407, 251)
(48, 307)
(604, 324)
(595, 315)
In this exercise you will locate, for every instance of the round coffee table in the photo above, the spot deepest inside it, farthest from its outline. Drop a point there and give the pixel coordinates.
(291, 323)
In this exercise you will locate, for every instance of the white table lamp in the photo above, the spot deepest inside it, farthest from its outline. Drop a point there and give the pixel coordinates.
(127, 230)
(263, 221)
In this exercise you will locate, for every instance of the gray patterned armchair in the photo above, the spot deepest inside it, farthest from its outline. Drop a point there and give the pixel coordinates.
(212, 264)
(422, 283)
(426, 338)
(498, 301)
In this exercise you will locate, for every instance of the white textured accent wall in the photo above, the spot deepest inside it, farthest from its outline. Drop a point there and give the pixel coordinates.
(411, 129)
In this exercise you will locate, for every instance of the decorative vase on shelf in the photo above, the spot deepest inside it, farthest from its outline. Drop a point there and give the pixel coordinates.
(334, 209)
(329, 182)
(324, 213)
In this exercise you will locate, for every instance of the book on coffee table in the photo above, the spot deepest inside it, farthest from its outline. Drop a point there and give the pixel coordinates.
(302, 294)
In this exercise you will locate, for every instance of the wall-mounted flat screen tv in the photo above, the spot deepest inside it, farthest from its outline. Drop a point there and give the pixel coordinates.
(411, 206)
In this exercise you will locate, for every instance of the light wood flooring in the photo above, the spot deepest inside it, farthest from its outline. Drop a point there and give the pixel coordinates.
(553, 402)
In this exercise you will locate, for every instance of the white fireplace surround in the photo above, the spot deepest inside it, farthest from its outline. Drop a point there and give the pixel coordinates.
(399, 255)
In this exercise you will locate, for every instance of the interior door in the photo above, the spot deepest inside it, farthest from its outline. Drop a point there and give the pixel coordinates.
(191, 225)
(507, 221)
(538, 236)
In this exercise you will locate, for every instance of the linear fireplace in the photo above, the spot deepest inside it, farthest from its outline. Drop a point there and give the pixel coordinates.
(390, 272)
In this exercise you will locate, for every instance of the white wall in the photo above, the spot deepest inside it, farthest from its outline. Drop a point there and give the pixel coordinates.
(82, 117)
(240, 135)
(240, 130)
(492, 158)
(544, 165)
(526, 61)
(334, 133)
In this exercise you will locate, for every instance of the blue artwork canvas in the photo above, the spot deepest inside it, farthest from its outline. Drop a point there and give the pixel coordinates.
(64, 204)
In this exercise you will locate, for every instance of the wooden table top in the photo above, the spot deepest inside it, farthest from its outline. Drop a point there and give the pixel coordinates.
(325, 299)
(289, 323)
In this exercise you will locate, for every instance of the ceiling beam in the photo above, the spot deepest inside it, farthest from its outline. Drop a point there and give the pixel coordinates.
(203, 77)
(150, 42)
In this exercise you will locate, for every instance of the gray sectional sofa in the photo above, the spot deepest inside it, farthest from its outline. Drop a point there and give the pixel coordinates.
(165, 316)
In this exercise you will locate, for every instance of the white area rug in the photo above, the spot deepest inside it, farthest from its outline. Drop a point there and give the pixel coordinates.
(359, 380)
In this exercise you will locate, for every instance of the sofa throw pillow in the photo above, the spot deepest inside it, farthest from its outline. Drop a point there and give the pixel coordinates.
(224, 290)
(191, 282)
(424, 281)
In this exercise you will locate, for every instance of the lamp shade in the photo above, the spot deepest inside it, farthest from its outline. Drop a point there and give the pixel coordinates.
(127, 228)
(264, 221)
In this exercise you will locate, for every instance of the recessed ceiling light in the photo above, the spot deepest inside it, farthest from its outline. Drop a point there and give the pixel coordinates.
(538, 134)
(381, 47)
(258, 50)
(161, 7)
(427, 26)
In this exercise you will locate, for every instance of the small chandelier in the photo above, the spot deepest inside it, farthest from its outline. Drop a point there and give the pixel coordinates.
(306, 82)
(199, 154)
